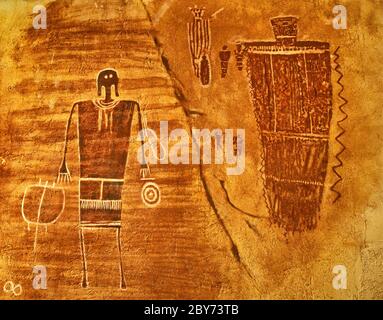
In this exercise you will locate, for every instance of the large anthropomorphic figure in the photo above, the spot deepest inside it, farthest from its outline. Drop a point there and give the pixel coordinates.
(104, 129)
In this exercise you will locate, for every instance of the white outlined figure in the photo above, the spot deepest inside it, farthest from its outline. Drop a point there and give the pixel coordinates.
(104, 131)
(37, 211)
(15, 289)
(199, 36)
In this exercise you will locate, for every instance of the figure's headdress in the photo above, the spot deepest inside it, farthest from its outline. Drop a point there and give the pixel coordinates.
(198, 12)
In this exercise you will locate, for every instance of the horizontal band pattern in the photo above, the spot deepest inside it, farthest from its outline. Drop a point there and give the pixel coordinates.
(101, 204)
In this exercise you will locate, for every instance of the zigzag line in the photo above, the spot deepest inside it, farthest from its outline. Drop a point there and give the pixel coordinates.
(339, 125)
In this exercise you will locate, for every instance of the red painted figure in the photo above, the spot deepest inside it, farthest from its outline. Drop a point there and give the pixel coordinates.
(224, 56)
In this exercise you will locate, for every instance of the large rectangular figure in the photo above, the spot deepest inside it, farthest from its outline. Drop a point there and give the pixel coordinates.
(290, 84)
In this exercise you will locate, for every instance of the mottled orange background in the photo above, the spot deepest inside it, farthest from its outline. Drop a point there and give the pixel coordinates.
(195, 244)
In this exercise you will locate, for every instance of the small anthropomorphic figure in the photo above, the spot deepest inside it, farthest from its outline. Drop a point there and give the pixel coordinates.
(239, 56)
(104, 129)
(199, 36)
(224, 56)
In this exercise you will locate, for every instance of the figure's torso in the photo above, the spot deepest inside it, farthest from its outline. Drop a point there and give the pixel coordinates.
(104, 133)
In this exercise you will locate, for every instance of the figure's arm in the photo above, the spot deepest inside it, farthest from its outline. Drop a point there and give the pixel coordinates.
(142, 126)
(64, 173)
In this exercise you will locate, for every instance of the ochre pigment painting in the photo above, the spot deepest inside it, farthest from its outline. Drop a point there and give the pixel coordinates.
(178, 149)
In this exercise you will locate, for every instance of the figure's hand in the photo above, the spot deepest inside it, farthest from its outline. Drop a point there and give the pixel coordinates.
(64, 174)
(144, 173)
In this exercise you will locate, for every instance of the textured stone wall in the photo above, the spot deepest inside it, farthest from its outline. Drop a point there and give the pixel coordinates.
(210, 237)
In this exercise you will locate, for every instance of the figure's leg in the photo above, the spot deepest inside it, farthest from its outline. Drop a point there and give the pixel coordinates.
(84, 282)
(122, 277)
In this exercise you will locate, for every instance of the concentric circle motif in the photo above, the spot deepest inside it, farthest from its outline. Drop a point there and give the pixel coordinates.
(151, 194)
